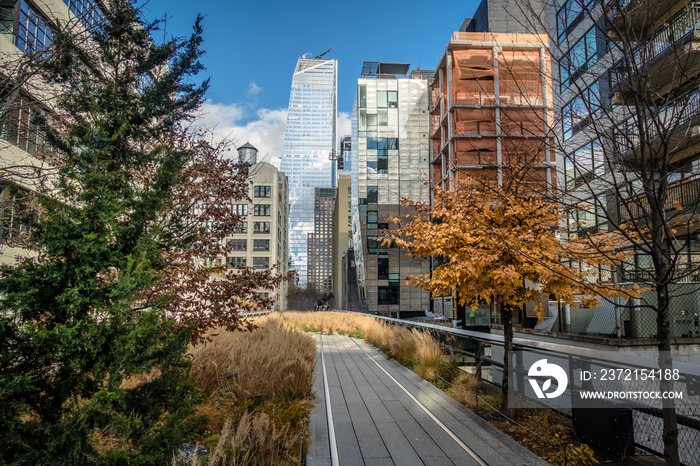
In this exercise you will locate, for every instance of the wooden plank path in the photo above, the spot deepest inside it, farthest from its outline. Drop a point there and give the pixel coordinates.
(373, 411)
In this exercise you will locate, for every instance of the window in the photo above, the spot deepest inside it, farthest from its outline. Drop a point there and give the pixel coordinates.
(362, 95)
(32, 34)
(383, 143)
(570, 15)
(382, 164)
(261, 227)
(388, 294)
(20, 125)
(387, 99)
(372, 195)
(261, 262)
(588, 216)
(7, 19)
(587, 161)
(242, 227)
(239, 209)
(238, 244)
(261, 245)
(579, 113)
(375, 246)
(382, 267)
(262, 191)
(13, 201)
(580, 58)
(236, 261)
(262, 210)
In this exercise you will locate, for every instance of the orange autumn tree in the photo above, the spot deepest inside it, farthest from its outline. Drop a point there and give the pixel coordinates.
(499, 243)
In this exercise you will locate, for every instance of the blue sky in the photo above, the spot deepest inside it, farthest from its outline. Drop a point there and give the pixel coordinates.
(252, 48)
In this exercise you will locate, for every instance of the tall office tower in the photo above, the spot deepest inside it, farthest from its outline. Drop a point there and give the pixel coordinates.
(319, 244)
(309, 143)
(390, 126)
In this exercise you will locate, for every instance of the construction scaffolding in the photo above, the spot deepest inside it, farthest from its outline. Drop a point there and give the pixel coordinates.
(491, 108)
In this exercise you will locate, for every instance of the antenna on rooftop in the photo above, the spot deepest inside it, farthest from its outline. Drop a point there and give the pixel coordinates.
(319, 56)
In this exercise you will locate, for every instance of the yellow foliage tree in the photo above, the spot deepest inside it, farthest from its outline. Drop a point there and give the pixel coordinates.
(499, 244)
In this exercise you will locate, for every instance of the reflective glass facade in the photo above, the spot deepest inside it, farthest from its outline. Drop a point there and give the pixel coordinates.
(308, 141)
(390, 127)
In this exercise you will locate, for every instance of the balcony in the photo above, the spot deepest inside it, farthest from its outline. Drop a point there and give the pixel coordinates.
(675, 119)
(679, 34)
(632, 14)
(685, 193)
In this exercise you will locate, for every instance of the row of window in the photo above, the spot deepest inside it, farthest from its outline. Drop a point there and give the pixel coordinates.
(19, 125)
(385, 99)
(262, 191)
(258, 262)
(258, 227)
(88, 11)
(241, 244)
(30, 32)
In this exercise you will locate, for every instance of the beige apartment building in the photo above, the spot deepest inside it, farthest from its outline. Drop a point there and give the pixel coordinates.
(262, 239)
(26, 28)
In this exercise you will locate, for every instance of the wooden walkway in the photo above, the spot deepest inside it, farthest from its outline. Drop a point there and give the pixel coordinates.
(381, 413)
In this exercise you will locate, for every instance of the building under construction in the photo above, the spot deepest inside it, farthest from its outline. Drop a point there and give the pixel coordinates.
(491, 108)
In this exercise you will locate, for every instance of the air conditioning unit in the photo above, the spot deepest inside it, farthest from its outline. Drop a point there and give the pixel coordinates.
(610, 427)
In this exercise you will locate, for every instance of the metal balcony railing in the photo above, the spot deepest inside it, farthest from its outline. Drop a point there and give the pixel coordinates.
(685, 193)
(666, 119)
(680, 27)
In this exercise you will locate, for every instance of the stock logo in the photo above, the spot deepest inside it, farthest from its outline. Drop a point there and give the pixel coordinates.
(543, 369)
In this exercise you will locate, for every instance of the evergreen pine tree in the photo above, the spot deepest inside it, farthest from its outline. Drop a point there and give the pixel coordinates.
(84, 378)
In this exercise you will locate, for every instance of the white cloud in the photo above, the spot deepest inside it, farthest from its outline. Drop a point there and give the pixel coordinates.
(265, 130)
(343, 125)
(254, 89)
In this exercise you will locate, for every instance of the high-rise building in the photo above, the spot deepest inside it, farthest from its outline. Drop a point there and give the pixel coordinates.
(626, 74)
(390, 135)
(261, 241)
(309, 144)
(320, 241)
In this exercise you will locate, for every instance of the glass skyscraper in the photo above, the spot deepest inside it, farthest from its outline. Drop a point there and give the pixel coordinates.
(309, 140)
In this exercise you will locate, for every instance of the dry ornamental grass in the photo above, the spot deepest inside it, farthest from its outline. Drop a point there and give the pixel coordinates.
(257, 388)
